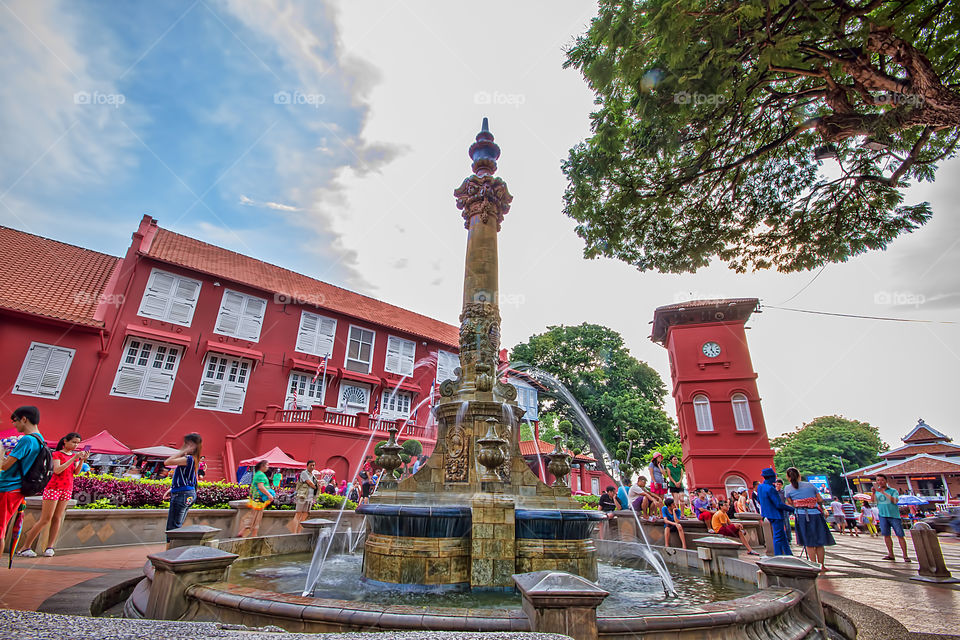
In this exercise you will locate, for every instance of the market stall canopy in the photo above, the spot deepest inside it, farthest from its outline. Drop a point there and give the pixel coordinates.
(156, 452)
(277, 459)
(104, 443)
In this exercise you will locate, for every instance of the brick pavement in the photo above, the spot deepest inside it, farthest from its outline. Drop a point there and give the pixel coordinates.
(33, 580)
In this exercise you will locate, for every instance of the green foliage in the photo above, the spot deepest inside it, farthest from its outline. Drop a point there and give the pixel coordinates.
(812, 447)
(668, 449)
(618, 392)
(709, 112)
(412, 446)
(588, 502)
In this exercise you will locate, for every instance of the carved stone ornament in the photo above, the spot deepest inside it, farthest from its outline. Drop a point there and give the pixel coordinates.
(491, 454)
(559, 465)
(506, 391)
(486, 196)
(456, 465)
(389, 457)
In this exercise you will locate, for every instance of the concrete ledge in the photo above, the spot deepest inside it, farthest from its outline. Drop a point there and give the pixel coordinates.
(94, 596)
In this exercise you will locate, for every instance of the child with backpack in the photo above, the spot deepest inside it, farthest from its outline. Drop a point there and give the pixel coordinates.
(20, 473)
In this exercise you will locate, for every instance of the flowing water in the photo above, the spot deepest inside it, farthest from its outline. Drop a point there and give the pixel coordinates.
(632, 590)
(603, 457)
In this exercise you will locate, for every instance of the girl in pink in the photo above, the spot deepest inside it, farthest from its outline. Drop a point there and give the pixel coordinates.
(66, 461)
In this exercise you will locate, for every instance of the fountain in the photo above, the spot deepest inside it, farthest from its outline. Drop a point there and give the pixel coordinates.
(474, 514)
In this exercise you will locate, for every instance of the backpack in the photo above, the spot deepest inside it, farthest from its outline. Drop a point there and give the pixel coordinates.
(35, 480)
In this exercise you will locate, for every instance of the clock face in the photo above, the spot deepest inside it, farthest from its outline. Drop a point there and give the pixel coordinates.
(711, 349)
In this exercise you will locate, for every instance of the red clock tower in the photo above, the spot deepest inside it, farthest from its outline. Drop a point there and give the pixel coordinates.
(722, 432)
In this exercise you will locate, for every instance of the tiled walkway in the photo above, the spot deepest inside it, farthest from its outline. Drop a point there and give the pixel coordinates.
(33, 580)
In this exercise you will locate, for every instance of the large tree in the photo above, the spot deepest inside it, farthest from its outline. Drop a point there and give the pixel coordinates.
(812, 448)
(765, 133)
(617, 391)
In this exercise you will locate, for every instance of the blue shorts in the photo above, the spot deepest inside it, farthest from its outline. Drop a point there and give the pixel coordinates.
(886, 523)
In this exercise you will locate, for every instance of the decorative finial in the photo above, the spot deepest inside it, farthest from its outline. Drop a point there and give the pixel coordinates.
(484, 152)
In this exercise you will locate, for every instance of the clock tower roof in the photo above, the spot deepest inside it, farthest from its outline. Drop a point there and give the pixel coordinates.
(700, 312)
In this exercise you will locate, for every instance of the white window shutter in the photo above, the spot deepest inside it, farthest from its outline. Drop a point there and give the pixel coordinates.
(392, 362)
(157, 386)
(326, 333)
(129, 381)
(233, 395)
(33, 366)
(185, 294)
(231, 308)
(446, 364)
(252, 319)
(307, 335)
(55, 372)
(408, 351)
(209, 395)
(156, 296)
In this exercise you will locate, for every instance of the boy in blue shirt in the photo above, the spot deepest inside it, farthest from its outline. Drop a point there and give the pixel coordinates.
(14, 465)
(886, 499)
(671, 520)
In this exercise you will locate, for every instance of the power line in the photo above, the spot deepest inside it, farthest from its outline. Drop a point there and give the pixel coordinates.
(853, 315)
(802, 289)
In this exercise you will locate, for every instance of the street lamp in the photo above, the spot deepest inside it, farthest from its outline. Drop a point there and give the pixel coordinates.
(845, 478)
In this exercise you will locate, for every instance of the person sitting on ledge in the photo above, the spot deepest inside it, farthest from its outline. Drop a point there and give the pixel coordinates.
(722, 525)
(671, 521)
(646, 503)
(608, 501)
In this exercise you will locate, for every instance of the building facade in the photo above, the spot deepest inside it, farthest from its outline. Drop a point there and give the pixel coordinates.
(927, 465)
(722, 431)
(180, 336)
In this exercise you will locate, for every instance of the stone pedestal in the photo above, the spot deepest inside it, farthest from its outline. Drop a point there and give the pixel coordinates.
(711, 548)
(929, 555)
(193, 535)
(176, 570)
(493, 542)
(318, 526)
(557, 602)
(796, 573)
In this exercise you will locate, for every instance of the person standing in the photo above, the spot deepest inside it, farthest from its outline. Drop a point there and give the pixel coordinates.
(202, 468)
(183, 487)
(836, 515)
(66, 461)
(277, 480)
(658, 484)
(850, 517)
(722, 525)
(14, 465)
(773, 509)
(674, 477)
(886, 499)
(671, 521)
(812, 530)
(778, 485)
(306, 493)
(869, 518)
(261, 495)
(366, 487)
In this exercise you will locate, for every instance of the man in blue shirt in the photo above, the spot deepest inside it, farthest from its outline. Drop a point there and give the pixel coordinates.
(886, 499)
(623, 495)
(773, 509)
(17, 463)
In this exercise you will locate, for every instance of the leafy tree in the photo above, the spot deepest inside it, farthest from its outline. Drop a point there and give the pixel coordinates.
(812, 447)
(617, 392)
(714, 117)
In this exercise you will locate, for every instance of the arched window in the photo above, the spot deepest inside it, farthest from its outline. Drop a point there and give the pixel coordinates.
(741, 412)
(734, 483)
(701, 409)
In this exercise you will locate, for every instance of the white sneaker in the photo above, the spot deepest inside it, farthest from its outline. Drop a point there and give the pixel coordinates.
(49, 552)
(27, 553)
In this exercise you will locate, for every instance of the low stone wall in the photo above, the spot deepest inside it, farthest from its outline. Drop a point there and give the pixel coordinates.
(90, 528)
(623, 526)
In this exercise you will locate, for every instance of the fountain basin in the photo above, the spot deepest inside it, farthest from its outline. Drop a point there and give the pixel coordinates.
(417, 522)
(556, 524)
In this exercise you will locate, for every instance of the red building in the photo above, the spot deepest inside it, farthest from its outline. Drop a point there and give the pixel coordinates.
(722, 432)
(180, 336)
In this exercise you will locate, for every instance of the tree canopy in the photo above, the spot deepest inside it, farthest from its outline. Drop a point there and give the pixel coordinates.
(765, 133)
(812, 447)
(617, 391)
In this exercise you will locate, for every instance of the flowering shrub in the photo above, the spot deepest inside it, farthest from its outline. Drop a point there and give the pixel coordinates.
(108, 492)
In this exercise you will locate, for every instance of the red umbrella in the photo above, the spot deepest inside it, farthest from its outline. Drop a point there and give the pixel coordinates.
(17, 527)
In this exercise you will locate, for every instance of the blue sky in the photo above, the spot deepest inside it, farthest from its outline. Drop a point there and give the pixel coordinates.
(220, 119)
(356, 187)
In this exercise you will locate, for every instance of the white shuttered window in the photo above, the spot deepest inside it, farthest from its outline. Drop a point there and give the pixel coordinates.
(701, 410)
(44, 371)
(241, 316)
(170, 298)
(147, 370)
(395, 406)
(224, 383)
(307, 391)
(359, 350)
(400, 356)
(446, 364)
(741, 412)
(316, 334)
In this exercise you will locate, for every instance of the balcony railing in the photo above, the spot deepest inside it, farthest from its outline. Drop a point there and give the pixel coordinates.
(362, 421)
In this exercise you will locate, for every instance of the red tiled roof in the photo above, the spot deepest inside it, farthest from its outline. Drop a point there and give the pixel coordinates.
(942, 448)
(699, 312)
(924, 433)
(47, 278)
(922, 464)
(190, 253)
(529, 448)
